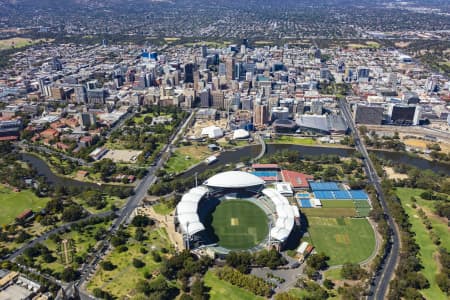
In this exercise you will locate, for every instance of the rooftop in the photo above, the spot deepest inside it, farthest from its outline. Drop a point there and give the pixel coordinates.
(233, 179)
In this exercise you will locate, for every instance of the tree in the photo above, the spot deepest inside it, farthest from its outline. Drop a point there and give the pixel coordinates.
(156, 257)
(239, 260)
(137, 263)
(141, 221)
(352, 292)
(198, 290)
(185, 297)
(72, 213)
(352, 271)
(139, 235)
(107, 265)
(318, 261)
(271, 259)
(328, 284)
(443, 281)
(69, 274)
(98, 293)
(48, 257)
(285, 296)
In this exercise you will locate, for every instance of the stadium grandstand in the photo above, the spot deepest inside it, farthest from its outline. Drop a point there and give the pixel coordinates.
(232, 208)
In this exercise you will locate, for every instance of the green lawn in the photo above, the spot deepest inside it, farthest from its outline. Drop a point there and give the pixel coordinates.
(163, 209)
(13, 203)
(18, 42)
(285, 139)
(223, 290)
(140, 119)
(337, 204)
(185, 157)
(121, 281)
(239, 224)
(422, 237)
(329, 212)
(333, 274)
(342, 239)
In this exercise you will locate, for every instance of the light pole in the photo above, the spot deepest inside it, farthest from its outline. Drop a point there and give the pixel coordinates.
(270, 234)
(187, 235)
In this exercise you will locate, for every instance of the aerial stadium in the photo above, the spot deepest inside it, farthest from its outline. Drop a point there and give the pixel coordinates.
(235, 210)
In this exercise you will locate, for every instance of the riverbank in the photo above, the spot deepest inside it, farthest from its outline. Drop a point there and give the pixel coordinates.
(412, 155)
(247, 152)
(43, 169)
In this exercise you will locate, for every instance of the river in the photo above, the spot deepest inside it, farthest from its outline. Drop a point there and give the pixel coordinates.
(44, 170)
(237, 155)
(253, 150)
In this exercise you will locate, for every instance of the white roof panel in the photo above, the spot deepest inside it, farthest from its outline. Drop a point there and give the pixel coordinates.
(234, 179)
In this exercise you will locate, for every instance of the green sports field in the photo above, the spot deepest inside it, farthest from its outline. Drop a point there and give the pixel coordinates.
(342, 239)
(14, 203)
(239, 224)
(337, 204)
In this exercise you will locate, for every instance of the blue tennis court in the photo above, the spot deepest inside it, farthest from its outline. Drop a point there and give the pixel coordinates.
(324, 186)
(305, 204)
(342, 195)
(303, 195)
(358, 195)
(323, 195)
(265, 173)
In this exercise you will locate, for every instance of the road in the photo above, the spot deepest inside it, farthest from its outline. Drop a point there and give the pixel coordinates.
(381, 282)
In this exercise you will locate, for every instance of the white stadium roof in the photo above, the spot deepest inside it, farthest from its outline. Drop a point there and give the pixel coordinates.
(233, 179)
(187, 210)
(285, 213)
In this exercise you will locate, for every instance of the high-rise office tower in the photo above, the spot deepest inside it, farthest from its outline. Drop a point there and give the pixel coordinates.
(204, 51)
(230, 66)
(363, 74)
(260, 115)
(189, 73)
(204, 98)
(218, 98)
(80, 94)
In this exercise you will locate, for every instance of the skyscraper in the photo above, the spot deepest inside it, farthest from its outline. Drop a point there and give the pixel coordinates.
(189, 73)
(260, 115)
(363, 74)
(218, 99)
(204, 98)
(230, 68)
(204, 51)
(80, 94)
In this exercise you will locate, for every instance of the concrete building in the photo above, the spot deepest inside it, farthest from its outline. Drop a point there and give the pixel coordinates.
(205, 100)
(368, 114)
(260, 115)
(218, 98)
(230, 68)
